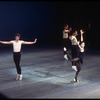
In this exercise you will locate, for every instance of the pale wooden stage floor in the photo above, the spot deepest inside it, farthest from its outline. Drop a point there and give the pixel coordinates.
(47, 75)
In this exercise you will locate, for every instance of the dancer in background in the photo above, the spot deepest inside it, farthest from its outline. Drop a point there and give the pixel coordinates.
(66, 41)
(81, 45)
(75, 55)
(17, 43)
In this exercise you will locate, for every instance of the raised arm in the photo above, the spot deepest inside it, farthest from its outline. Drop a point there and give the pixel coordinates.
(81, 34)
(6, 42)
(25, 42)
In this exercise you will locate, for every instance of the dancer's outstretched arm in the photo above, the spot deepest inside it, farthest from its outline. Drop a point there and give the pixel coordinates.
(67, 31)
(25, 42)
(6, 42)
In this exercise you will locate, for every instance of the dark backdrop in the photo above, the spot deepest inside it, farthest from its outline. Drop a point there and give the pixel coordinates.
(80, 14)
(31, 19)
(46, 19)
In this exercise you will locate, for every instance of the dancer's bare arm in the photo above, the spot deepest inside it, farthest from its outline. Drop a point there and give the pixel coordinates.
(67, 31)
(82, 35)
(6, 42)
(25, 42)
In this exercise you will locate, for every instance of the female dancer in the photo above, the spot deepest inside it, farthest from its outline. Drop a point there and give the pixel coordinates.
(66, 31)
(75, 55)
(81, 45)
(17, 43)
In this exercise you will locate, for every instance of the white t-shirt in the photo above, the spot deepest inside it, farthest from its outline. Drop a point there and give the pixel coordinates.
(17, 45)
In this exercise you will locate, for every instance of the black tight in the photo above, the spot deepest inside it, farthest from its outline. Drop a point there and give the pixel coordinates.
(75, 53)
(66, 44)
(16, 57)
(78, 70)
(81, 57)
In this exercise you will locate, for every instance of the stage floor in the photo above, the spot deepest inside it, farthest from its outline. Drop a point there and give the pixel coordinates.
(47, 75)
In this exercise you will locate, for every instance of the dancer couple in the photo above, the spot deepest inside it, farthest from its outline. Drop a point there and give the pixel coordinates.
(77, 50)
(17, 43)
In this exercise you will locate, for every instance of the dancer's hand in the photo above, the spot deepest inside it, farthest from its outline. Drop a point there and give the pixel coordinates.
(81, 31)
(78, 42)
(35, 40)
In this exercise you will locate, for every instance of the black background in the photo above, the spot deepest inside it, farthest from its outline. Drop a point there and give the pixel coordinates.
(45, 20)
(81, 14)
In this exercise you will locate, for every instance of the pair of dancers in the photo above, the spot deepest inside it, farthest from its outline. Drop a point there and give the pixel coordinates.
(17, 43)
(77, 49)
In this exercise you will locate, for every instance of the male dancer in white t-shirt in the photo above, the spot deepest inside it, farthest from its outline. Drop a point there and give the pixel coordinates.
(17, 43)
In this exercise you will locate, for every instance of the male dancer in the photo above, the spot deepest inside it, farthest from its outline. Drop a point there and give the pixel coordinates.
(17, 43)
(66, 44)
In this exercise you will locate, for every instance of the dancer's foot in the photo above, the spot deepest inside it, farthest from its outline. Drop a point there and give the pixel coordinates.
(65, 56)
(74, 68)
(75, 80)
(20, 78)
